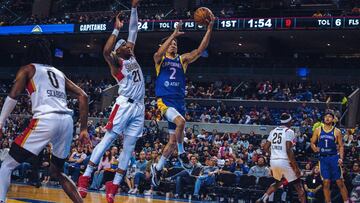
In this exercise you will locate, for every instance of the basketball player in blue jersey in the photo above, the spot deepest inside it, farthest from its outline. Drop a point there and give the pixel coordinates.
(327, 137)
(170, 91)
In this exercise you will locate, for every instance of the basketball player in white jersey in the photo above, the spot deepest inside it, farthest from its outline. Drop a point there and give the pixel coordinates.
(282, 159)
(51, 122)
(127, 116)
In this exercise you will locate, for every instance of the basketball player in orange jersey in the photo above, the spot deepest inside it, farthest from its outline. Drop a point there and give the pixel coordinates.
(52, 120)
(170, 91)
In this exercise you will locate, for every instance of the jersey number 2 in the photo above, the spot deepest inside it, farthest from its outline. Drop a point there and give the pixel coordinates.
(53, 79)
(172, 76)
(277, 138)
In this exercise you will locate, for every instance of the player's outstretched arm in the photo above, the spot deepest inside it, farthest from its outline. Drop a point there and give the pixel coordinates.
(164, 47)
(22, 78)
(195, 54)
(133, 25)
(314, 139)
(340, 142)
(108, 54)
(83, 108)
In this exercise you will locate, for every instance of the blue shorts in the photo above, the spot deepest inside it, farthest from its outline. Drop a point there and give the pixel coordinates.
(329, 168)
(178, 104)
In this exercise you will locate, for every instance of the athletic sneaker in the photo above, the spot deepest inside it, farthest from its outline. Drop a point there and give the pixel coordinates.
(134, 191)
(111, 190)
(83, 185)
(130, 191)
(155, 176)
(185, 161)
(148, 192)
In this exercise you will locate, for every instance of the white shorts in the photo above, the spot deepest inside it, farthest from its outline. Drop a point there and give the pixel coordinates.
(56, 129)
(281, 168)
(127, 118)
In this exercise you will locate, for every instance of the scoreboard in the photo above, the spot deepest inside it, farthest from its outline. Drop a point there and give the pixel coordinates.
(230, 24)
(243, 24)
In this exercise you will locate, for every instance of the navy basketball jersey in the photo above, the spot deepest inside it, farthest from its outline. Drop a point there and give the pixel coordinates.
(170, 81)
(327, 142)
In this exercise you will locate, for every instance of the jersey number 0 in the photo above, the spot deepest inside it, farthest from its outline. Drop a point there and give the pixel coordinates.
(53, 79)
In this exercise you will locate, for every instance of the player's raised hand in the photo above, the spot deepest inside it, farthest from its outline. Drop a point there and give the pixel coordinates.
(84, 138)
(135, 3)
(119, 22)
(177, 31)
(211, 21)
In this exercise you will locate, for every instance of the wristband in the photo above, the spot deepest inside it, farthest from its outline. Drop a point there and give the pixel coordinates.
(115, 32)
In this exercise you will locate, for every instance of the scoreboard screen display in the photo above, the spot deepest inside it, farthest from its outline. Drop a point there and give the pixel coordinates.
(244, 24)
(230, 24)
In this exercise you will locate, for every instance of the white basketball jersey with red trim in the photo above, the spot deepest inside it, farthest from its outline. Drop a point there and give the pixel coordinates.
(131, 79)
(47, 91)
(278, 138)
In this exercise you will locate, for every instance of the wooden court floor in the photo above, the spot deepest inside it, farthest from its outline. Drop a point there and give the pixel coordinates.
(29, 194)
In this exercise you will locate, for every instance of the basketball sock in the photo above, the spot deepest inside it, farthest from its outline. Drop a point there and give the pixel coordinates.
(89, 170)
(160, 164)
(265, 197)
(6, 169)
(180, 148)
(118, 178)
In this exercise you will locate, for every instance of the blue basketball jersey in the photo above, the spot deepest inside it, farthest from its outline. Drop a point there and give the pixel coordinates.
(170, 81)
(327, 142)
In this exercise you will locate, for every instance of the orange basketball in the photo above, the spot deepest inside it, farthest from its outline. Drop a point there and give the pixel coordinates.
(201, 15)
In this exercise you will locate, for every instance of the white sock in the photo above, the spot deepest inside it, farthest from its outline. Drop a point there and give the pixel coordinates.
(7, 167)
(118, 178)
(271, 197)
(180, 148)
(265, 197)
(89, 170)
(160, 165)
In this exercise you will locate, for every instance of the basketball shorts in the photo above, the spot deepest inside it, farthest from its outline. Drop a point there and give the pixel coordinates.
(127, 117)
(281, 168)
(178, 104)
(53, 128)
(329, 168)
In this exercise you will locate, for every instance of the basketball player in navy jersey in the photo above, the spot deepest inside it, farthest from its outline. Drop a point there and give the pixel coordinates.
(170, 91)
(328, 138)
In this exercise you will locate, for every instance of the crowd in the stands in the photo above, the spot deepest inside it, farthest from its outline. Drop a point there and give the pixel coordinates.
(212, 154)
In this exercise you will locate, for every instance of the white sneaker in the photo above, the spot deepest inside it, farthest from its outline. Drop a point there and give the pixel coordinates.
(130, 191)
(102, 188)
(148, 192)
(135, 191)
